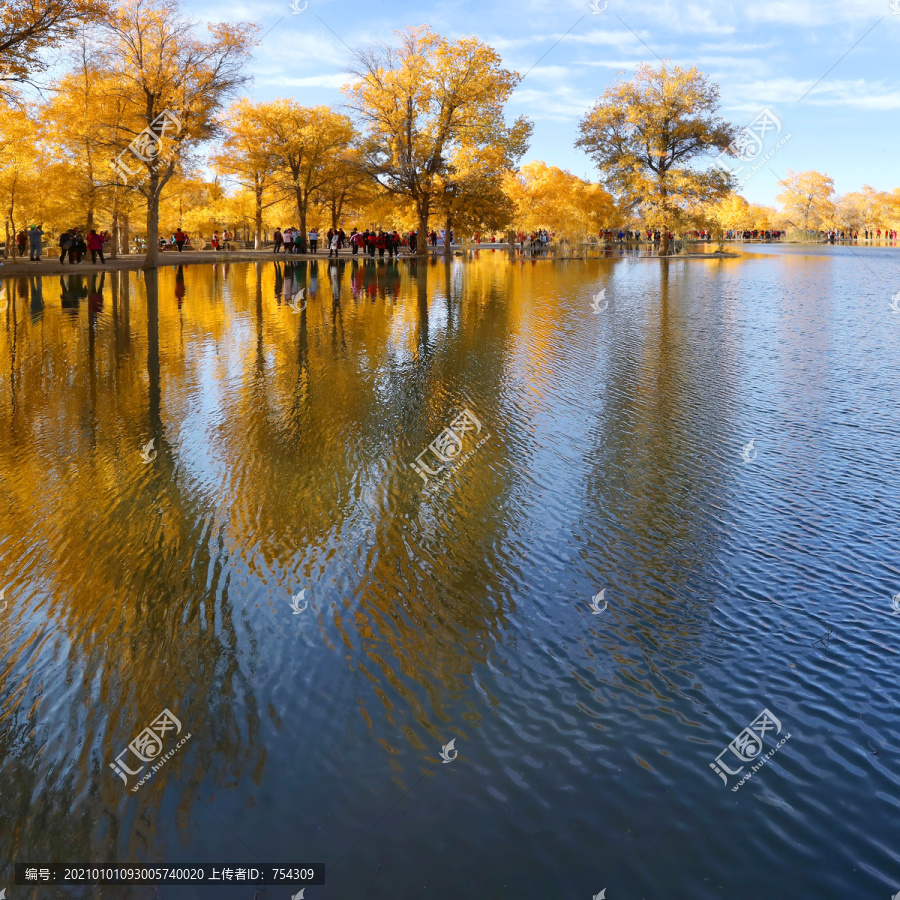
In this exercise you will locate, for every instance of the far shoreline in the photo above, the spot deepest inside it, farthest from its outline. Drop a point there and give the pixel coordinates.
(50, 265)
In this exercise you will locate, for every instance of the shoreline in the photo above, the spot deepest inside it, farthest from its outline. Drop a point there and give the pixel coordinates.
(50, 265)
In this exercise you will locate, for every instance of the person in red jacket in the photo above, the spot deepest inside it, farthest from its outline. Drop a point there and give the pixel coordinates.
(180, 239)
(95, 245)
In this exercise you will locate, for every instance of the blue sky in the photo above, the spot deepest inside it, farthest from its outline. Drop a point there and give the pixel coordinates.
(827, 70)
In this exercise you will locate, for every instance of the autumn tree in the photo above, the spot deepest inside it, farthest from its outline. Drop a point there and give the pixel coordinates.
(28, 28)
(306, 143)
(555, 199)
(647, 135)
(160, 63)
(731, 213)
(471, 191)
(419, 103)
(891, 207)
(861, 209)
(19, 181)
(807, 199)
(246, 159)
(345, 187)
(471, 199)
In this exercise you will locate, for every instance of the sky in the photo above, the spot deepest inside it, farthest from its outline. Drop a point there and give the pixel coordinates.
(825, 72)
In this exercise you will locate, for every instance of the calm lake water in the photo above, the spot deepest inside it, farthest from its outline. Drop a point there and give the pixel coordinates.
(611, 454)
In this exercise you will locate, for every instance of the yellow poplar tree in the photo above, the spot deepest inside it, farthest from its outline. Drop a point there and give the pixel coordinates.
(21, 183)
(306, 143)
(646, 136)
(807, 199)
(28, 28)
(555, 199)
(246, 158)
(160, 63)
(421, 101)
(859, 210)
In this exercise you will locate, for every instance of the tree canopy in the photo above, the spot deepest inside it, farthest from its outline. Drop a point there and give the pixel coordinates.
(28, 28)
(425, 102)
(647, 135)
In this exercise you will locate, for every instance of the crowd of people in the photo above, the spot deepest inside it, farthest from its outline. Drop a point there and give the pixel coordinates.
(291, 240)
(74, 244)
(535, 240)
(889, 235)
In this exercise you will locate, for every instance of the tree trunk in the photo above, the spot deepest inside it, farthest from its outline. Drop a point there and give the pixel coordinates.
(125, 242)
(301, 212)
(447, 225)
(422, 235)
(114, 237)
(151, 260)
(257, 240)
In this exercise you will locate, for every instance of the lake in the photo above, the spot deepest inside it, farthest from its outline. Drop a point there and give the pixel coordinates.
(502, 578)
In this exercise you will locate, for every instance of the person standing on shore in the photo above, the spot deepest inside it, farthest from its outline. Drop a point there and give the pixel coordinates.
(180, 239)
(313, 240)
(79, 247)
(278, 239)
(95, 245)
(21, 241)
(35, 236)
(65, 246)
